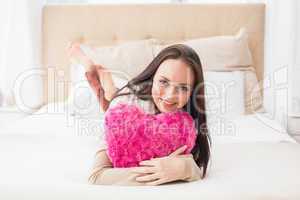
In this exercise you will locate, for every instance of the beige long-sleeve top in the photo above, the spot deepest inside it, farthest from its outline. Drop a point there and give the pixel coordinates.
(103, 172)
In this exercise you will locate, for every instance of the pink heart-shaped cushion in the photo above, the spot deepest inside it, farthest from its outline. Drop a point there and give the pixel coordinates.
(133, 136)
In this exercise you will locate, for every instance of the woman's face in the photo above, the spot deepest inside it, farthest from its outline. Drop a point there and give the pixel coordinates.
(172, 85)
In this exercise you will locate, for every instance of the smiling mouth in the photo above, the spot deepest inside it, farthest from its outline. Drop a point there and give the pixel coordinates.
(167, 103)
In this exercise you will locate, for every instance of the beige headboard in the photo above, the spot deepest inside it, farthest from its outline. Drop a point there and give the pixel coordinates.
(111, 24)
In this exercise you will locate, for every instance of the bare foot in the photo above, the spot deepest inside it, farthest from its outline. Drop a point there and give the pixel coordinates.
(75, 52)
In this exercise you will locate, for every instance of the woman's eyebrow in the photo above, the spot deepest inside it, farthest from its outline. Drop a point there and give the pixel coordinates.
(165, 78)
(182, 84)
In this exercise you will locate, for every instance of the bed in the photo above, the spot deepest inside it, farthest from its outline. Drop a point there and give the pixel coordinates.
(49, 154)
(39, 160)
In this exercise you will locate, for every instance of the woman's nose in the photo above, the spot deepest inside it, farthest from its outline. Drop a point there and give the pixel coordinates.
(170, 93)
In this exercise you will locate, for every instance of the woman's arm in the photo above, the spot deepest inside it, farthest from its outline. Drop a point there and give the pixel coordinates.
(104, 174)
(171, 168)
(151, 172)
(193, 172)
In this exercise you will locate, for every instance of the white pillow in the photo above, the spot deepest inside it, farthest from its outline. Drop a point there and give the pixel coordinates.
(129, 58)
(219, 52)
(119, 81)
(224, 92)
(253, 97)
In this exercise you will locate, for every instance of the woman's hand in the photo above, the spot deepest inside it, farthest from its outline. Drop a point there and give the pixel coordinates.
(165, 169)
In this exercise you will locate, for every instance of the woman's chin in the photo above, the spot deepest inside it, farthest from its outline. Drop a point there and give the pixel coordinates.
(164, 109)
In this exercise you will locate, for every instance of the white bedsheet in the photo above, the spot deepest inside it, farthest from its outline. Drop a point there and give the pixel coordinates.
(44, 157)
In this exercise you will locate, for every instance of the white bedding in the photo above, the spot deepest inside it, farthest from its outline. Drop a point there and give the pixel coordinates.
(44, 157)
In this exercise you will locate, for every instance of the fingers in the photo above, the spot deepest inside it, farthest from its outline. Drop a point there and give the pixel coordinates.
(143, 170)
(186, 156)
(145, 178)
(178, 151)
(157, 182)
(148, 162)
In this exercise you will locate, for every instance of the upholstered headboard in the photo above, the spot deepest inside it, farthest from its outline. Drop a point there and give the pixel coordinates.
(112, 24)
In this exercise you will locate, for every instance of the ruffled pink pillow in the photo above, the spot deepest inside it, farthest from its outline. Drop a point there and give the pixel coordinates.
(133, 136)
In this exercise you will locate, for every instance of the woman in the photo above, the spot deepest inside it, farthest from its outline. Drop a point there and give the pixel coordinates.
(172, 81)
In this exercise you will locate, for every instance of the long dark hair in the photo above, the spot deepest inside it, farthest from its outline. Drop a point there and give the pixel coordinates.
(141, 86)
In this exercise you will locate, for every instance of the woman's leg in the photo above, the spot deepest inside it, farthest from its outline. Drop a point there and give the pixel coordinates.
(95, 83)
(96, 76)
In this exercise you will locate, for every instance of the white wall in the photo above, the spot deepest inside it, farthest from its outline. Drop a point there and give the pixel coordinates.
(281, 55)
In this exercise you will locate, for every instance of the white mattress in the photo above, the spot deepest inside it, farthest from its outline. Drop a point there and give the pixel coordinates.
(46, 157)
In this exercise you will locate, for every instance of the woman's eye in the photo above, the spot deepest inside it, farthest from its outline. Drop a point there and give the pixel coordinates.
(184, 88)
(163, 82)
